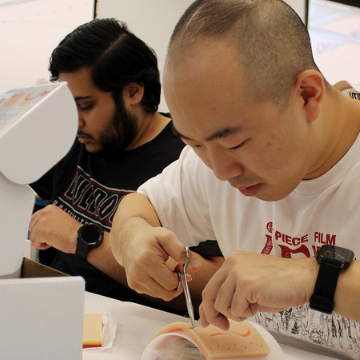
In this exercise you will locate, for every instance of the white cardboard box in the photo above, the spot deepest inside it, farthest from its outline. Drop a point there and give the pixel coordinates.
(41, 310)
(41, 317)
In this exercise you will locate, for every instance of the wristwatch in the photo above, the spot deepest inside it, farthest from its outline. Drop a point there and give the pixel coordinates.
(332, 259)
(89, 237)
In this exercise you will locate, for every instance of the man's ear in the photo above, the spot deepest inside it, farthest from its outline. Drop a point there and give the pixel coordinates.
(133, 93)
(311, 87)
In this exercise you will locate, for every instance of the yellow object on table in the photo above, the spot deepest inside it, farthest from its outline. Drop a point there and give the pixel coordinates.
(93, 328)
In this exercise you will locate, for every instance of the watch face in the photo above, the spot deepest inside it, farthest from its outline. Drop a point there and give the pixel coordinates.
(90, 234)
(336, 255)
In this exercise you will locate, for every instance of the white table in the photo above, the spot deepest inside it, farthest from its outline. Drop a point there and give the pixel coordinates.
(137, 324)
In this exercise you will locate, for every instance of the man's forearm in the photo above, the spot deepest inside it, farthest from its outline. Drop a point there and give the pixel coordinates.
(103, 259)
(347, 292)
(133, 210)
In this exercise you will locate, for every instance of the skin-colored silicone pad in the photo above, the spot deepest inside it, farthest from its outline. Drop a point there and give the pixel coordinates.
(241, 340)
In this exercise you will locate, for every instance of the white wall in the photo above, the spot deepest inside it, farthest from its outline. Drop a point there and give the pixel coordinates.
(154, 20)
(29, 31)
(299, 6)
(335, 37)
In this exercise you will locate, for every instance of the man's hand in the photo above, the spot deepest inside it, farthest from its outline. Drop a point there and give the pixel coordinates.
(249, 282)
(53, 227)
(144, 251)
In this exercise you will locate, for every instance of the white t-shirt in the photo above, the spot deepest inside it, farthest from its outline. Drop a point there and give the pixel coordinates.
(197, 206)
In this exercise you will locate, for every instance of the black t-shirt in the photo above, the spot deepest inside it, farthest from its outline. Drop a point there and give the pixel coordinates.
(89, 188)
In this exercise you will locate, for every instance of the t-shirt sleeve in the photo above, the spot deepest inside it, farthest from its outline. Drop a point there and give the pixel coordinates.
(180, 197)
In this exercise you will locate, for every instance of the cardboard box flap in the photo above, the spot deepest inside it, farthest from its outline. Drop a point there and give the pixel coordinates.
(32, 269)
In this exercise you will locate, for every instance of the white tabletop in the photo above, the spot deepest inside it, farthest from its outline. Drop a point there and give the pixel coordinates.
(137, 324)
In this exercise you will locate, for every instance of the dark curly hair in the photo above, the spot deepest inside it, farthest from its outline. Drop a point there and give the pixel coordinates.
(115, 56)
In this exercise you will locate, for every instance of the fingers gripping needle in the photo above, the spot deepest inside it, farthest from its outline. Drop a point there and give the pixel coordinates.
(184, 283)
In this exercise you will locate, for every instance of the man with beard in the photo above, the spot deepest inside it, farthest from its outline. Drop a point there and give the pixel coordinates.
(122, 141)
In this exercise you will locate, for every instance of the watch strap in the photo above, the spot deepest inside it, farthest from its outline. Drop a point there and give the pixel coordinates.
(323, 297)
(82, 250)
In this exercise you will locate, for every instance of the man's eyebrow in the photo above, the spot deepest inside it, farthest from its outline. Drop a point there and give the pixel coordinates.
(176, 133)
(77, 98)
(223, 133)
(217, 135)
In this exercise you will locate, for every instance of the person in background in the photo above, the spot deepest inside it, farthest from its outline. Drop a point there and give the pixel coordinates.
(271, 170)
(122, 141)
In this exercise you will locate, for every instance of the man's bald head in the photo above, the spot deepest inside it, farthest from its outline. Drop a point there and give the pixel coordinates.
(272, 41)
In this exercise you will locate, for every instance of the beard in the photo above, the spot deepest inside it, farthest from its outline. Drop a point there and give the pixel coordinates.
(119, 133)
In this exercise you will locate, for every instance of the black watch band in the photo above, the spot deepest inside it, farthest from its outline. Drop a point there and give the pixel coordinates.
(332, 259)
(89, 237)
(323, 297)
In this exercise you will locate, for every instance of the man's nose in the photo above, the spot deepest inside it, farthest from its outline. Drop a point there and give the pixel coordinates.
(225, 166)
(81, 121)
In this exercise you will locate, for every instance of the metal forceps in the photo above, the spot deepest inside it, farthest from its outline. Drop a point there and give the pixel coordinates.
(183, 281)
